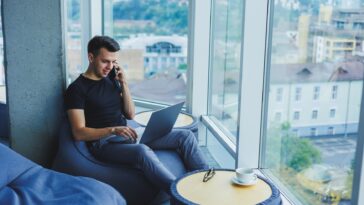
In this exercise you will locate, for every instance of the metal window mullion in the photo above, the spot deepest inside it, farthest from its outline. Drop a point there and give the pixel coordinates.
(96, 17)
(91, 24)
(85, 30)
(219, 135)
(198, 58)
(358, 181)
(251, 80)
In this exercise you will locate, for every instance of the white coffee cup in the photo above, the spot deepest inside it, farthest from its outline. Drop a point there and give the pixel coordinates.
(245, 175)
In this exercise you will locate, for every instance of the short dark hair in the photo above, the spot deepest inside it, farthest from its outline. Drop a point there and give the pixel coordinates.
(98, 42)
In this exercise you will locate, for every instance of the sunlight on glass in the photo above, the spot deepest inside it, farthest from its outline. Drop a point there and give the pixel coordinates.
(73, 40)
(153, 39)
(316, 76)
(225, 63)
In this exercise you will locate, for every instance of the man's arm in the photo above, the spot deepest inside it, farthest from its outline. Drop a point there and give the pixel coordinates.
(127, 102)
(81, 132)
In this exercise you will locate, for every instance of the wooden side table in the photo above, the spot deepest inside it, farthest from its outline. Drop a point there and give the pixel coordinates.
(189, 189)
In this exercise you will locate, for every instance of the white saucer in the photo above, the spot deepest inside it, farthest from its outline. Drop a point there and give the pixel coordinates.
(236, 181)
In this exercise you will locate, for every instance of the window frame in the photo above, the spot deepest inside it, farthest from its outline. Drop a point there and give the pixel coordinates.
(279, 94)
(357, 196)
(314, 114)
(296, 115)
(256, 33)
(334, 92)
(332, 113)
(316, 92)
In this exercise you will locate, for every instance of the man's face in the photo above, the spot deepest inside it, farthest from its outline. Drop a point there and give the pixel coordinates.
(103, 62)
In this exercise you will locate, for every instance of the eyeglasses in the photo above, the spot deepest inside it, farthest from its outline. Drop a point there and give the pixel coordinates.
(208, 175)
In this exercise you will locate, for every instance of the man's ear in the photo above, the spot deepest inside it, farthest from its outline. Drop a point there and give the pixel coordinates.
(90, 57)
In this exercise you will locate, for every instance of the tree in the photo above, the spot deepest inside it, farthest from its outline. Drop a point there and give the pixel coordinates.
(169, 17)
(300, 153)
(290, 150)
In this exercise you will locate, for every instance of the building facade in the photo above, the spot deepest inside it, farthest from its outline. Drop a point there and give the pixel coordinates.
(325, 102)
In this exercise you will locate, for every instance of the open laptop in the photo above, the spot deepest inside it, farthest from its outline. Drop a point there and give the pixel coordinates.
(160, 123)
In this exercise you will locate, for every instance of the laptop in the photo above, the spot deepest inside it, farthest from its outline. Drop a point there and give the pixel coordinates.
(160, 123)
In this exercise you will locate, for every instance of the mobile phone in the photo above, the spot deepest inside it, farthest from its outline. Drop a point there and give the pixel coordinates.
(112, 76)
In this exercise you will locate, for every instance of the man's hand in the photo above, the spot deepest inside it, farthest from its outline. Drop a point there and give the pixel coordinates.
(120, 75)
(127, 132)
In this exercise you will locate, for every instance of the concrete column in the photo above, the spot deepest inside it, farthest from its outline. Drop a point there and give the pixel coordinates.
(35, 81)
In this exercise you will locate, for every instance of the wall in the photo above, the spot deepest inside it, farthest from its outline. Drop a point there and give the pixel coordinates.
(33, 60)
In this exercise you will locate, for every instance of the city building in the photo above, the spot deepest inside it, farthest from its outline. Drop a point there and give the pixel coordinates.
(338, 34)
(317, 99)
(280, 92)
(161, 54)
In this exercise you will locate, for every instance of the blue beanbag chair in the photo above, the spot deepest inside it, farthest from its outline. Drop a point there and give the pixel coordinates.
(24, 182)
(74, 158)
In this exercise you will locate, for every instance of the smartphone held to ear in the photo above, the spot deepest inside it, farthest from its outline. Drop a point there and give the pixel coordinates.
(112, 76)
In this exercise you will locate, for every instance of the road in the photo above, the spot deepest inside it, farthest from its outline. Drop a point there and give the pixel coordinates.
(337, 151)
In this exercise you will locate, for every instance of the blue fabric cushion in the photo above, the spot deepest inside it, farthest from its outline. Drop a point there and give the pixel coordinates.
(24, 182)
(74, 158)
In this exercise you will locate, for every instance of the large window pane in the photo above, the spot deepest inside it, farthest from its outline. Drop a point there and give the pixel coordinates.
(153, 39)
(317, 67)
(225, 63)
(73, 40)
(218, 156)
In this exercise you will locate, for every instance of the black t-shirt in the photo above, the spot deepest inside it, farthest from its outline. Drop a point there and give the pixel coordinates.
(99, 99)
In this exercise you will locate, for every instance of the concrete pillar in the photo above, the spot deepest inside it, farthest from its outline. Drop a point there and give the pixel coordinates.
(35, 81)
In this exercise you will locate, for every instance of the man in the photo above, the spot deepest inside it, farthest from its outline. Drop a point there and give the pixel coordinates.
(97, 111)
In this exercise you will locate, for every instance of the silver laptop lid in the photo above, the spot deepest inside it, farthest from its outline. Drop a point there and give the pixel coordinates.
(161, 122)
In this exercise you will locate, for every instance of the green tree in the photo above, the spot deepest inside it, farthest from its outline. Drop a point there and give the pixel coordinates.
(290, 150)
(299, 153)
(169, 17)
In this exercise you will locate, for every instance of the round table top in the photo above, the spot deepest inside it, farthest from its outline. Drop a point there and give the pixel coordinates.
(221, 190)
(183, 119)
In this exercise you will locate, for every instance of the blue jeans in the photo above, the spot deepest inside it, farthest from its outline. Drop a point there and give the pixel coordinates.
(143, 157)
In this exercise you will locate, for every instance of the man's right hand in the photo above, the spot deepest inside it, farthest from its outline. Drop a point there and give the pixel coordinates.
(125, 131)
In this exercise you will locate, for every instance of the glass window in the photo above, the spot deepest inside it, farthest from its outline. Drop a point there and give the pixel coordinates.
(316, 165)
(314, 114)
(332, 113)
(216, 154)
(155, 29)
(297, 95)
(73, 40)
(225, 63)
(278, 116)
(334, 92)
(296, 115)
(279, 94)
(316, 93)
